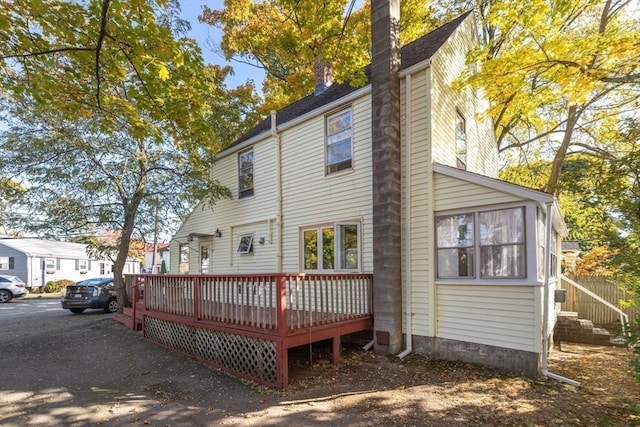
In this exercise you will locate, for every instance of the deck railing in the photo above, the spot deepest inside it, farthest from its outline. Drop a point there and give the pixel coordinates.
(271, 302)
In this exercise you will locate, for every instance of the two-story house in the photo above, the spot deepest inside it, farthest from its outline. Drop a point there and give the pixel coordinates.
(462, 263)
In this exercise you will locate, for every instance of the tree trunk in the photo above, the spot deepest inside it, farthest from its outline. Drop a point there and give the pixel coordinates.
(558, 160)
(130, 211)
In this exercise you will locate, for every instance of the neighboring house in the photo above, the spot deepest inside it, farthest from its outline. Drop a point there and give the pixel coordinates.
(38, 261)
(570, 253)
(458, 256)
(152, 265)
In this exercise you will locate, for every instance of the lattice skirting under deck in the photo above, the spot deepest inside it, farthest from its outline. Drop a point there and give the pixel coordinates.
(253, 357)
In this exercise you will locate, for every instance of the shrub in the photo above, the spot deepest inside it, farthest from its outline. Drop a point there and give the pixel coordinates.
(54, 286)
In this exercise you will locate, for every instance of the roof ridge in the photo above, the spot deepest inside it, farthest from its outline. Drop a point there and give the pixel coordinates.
(412, 53)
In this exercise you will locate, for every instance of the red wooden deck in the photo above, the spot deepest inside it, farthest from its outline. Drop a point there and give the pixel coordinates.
(245, 324)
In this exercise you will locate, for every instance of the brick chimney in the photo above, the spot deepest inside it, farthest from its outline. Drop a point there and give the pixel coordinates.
(323, 76)
(385, 135)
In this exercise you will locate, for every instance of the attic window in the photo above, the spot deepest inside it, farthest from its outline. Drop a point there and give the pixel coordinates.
(461, 141)
(338, 150)
(245, 246)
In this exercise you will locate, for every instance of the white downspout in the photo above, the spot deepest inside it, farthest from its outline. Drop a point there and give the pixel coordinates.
(545, 303)
(407, 217)
(278, 142)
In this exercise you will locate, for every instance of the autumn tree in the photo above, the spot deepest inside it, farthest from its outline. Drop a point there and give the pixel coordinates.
(556, 72)
(108, 108)
(287, 38)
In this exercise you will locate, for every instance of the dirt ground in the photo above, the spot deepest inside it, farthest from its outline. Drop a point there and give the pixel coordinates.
(82, 370)
(421, 392)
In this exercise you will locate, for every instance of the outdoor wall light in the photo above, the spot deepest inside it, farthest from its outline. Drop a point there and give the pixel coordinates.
(218, 233)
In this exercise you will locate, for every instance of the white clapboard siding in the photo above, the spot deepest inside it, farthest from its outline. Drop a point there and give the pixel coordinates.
(447, 65)
(452, 193)
(503, 316)
(310, 198)
(420, 227)
(235, 216)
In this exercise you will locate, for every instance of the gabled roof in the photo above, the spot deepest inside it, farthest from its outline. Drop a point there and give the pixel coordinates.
(413, 53)
(47, 248)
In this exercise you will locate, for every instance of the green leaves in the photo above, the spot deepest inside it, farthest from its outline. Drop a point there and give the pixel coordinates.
(287, 37)
(110, 110)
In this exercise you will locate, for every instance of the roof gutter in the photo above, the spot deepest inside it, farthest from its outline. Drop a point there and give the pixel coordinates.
(294, 122)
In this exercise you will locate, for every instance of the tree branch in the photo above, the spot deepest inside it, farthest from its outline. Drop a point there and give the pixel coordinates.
(101, 36)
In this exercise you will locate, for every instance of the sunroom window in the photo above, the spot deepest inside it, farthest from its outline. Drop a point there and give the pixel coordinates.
(455, 246)
(502, 244)
(331, 247)
(498, 239)
(339, 143)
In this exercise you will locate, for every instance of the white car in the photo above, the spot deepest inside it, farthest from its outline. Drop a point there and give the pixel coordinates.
(11, 287)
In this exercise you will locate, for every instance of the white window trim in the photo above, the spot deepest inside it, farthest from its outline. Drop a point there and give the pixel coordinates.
(337, 254)
(249, 248)
(531, 250)
(240, 154)
(326, 140)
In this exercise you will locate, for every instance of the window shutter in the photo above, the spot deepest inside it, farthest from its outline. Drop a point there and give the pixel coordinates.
(11, 263)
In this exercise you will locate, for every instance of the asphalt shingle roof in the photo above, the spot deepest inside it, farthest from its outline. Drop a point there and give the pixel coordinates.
(411, 54)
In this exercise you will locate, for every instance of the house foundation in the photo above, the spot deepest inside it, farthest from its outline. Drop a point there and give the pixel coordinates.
(506, 359)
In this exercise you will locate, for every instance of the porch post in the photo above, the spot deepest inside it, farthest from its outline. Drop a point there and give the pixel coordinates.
(385, 135)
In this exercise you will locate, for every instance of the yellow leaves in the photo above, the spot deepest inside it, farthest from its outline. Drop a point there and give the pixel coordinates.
(163, 72)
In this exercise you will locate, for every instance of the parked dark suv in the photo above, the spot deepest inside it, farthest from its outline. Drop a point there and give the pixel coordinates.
(91, 293)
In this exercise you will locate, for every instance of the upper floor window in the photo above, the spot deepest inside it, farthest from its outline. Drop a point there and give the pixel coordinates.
(498, 238)
(245, 175)
(461, 141)
(331, 247)
(339, 142)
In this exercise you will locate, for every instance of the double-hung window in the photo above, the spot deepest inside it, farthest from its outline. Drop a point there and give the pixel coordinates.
(497, 236)
(339, 147)
(331, 247)
(245, 174)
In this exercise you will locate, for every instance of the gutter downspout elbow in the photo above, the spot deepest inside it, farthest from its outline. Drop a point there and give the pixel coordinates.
(545, 302)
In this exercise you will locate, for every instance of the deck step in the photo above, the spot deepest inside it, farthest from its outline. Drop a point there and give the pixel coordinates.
(128, 321)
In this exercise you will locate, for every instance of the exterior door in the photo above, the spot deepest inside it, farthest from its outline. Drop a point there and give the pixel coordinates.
(205, 259)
